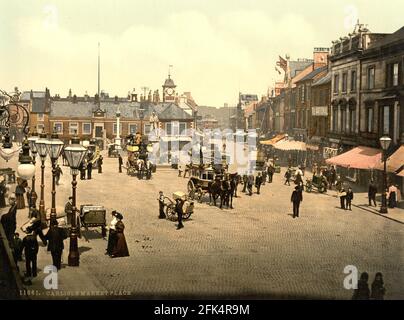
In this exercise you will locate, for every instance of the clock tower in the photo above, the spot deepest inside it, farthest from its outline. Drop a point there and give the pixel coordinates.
(169, 90)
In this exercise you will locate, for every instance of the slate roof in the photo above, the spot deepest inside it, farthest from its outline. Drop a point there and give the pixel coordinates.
(26, 95)
(39, 105)
(130, 110)
(314, 73)
(389, 39)
(322, 80)
(297, 66)
(169, 83)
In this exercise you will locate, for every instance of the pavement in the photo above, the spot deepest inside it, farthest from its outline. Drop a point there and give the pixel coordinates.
(256, 250)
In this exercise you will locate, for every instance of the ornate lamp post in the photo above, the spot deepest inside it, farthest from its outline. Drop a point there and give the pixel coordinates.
(75, 154)
(42, 151)
(26, 169)
(54, 146)
(385, 143)
(32, 144)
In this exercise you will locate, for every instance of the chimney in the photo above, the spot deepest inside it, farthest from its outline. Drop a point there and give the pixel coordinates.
(74, 99)
(31, 94)
(116, 100)
(149, 97)
(320, 57)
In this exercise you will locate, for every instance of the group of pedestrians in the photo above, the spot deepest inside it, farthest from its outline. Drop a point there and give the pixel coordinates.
(249, 181)
(364, 293)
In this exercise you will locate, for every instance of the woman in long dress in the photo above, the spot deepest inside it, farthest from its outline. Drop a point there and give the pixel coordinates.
(121, 248)
(19, 193)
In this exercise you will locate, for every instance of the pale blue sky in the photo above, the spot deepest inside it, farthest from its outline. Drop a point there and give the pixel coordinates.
(217, 47)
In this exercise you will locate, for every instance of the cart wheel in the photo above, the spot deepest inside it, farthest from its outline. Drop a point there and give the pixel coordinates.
(309, 187)
(321, 188)
(190, 186)
(186, 215)
(170, 212)
(191, 195)
(199, 195)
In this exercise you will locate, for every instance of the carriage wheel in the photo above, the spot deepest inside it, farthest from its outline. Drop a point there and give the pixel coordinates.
(199, 194)
(321, 188)
(170, 212)
(190, 186)
(186, 215)
(309, 187)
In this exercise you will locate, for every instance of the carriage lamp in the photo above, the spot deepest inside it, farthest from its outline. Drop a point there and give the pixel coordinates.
(385, 143)
(75, 154)
(7, 150)
(54, 147)
(42, 151)
(26, 169)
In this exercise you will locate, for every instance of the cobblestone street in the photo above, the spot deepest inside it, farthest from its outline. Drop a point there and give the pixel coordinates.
(255, 250)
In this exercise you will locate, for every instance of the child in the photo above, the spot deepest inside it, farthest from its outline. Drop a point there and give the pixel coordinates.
(162, 215)
(349, 198)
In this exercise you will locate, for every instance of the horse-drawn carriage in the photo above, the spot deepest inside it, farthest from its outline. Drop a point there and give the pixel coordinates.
(206, 180)
(187, 207)
(113, 150)
(138, 163)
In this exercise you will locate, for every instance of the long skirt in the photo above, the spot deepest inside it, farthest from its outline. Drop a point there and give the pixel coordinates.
(20, 201)
(392, 200)
(121, 248)
(112, 239)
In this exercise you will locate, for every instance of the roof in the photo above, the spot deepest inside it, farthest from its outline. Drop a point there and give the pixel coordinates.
(323, 80)
(26, 95)
(389, 39)
(314, 73)
(297, 66)
(39, 105)
(169, 83)
(130, 110)
(395, 162)
(274, 140)
(358, 158)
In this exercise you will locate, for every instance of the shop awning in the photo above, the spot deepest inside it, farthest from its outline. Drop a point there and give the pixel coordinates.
(287, 145)
(274, 140)
(394, 162)
(358, 158)
(312, 147)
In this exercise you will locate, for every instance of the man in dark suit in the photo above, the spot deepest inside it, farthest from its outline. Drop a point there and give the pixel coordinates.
(100, 162)
(372, 193)
(30, 245)
(180, 212)
(296, 199)
(258, 182)
(55, 237)
(120, 161)
(69, 211)
(89, 169)
(9, 220)
(82, 169)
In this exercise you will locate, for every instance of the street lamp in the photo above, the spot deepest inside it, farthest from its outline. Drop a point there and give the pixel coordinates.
(26, 169)
(75, 154)
(42, 151)
(54, 146)
(385, 143)
(7, 150)
(32, 144)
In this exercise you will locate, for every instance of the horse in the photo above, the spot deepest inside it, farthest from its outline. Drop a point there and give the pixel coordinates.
(140, 167)
(215, 191)
(235, 179)
(148, 166)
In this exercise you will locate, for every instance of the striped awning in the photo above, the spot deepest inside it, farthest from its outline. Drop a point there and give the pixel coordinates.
(358, 158)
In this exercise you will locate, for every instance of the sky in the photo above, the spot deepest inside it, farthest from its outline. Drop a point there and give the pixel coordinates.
(217, 48)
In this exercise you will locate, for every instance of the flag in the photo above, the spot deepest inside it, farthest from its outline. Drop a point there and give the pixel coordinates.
(282, 63)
